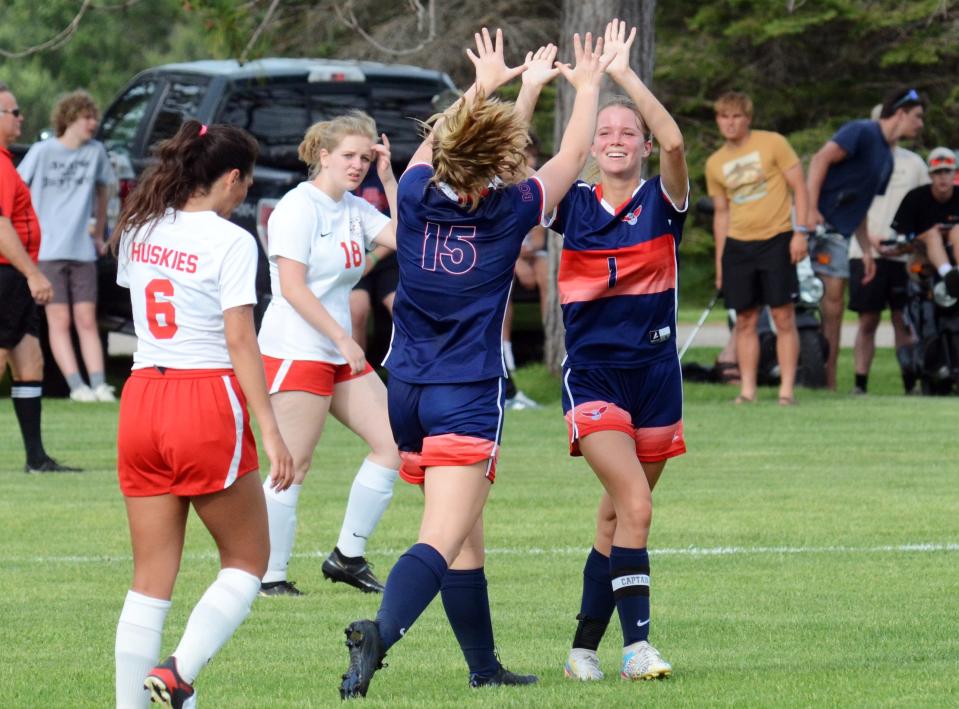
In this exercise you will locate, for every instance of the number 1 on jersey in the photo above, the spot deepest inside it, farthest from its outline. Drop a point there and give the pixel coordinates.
(611, 264)
(157, 308)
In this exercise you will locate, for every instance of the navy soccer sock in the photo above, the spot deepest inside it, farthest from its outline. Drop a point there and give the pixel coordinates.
(629, 571)
(412, 584)
(467, 607)
(26, 404)
(597, 605)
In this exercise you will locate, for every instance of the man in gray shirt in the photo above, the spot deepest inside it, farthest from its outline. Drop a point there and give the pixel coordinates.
(69, 178)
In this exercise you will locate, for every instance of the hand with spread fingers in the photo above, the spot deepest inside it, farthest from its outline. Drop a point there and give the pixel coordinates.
(491, 69)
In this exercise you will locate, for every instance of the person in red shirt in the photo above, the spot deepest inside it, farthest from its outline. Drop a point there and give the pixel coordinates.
(22, 289)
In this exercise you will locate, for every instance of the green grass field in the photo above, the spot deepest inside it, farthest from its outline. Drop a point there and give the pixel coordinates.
(802, 556)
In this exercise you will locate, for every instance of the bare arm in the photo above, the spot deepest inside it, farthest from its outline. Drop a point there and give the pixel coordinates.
(384, 170)
(100, 217)
(720, 232)
(248, 367)
(11, 248)
(798, 246)
(561, 171)
(298, 294)
(868, 261)
(672, 152)
(826, 156)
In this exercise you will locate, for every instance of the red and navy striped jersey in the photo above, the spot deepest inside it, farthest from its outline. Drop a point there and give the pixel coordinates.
(618, 276)
(456, 271)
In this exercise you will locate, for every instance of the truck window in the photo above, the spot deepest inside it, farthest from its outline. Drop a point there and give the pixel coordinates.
(119, 126)
(277, 116)
(180, 102)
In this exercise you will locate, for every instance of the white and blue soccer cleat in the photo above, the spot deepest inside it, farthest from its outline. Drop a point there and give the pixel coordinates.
(642, 661)
(583, 665)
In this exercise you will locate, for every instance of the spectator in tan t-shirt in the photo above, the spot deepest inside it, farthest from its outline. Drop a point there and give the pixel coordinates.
(757, 245)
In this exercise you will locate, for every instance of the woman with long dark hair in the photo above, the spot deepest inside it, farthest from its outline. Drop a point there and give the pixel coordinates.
(184, 434)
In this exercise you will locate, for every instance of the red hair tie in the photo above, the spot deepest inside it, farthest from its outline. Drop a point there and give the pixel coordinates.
(202, 129)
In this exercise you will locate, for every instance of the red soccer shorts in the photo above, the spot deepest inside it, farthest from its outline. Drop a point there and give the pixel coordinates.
(306, 375)
(183, 432)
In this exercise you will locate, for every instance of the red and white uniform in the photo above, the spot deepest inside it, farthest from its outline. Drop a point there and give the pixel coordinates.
(331, 238)
(184, 428)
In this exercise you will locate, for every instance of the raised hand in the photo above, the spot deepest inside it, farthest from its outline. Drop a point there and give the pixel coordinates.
(539, 67)
(384, 166)
(491, 69)
(591, 63)
(617, 46)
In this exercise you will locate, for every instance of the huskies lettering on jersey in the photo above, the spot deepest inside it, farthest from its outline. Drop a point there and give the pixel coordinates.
(157, 255)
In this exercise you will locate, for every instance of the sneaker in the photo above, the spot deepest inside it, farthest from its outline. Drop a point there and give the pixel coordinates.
(366, 657)
(520, 401)
(167, 688)
(279, 588)
(104, 392)
(356, 572)
(502, 678)
(49, 465)
(642, 661)
(83, 394)
(858, 391)
(952, 283)
(583, 665)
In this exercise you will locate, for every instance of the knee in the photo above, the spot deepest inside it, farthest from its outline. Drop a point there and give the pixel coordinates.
(784, 318)
(85, 321)
(635, 516)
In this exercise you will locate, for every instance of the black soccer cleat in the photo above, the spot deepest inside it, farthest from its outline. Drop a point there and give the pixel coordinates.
(279, 588)
(366, 657)
(49, 465)
(502, 678)
(354, 571)
(952, 283)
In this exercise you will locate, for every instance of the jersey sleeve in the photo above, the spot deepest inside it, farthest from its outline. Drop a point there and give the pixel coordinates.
(28, 166)
(566, 208)
(676, 208)
(238, 273)
(528, 200)
(290, 229)
(413, 181)
(372, 220)
(848, 137)
(783, 152)
(123, 262)
(105, 173)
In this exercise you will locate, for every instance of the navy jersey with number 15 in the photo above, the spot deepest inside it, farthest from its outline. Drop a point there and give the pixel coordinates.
(456, 271)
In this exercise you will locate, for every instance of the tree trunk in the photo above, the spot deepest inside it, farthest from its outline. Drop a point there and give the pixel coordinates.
(590, 16)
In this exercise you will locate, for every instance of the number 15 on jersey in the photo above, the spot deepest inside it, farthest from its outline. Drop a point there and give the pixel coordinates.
(450, 249)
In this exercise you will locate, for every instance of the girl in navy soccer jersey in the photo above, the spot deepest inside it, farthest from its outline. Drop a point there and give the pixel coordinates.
(622, 384)
(459, 234)
(184, 435)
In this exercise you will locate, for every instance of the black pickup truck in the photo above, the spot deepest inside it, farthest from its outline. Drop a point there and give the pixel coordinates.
(276, 100)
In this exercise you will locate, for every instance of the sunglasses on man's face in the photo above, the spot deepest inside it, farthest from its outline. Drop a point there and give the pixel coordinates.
(15, 112)
(910, 96)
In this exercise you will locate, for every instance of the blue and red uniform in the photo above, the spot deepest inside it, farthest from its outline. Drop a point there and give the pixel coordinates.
(446, 356)
(618, 285)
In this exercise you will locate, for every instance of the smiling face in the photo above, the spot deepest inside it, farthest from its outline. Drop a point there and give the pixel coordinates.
(344, 168)
(619, 146)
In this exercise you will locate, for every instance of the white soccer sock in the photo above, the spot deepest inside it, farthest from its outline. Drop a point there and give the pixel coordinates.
(370, 495)
(508, 356)
(281, 511)
(137, 649)
(214, 619)
(945, 268)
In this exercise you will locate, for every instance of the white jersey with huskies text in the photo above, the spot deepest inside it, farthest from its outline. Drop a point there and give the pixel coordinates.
(331, 238)
(182, 275)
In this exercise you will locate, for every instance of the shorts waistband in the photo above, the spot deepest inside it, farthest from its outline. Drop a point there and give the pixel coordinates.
(156, 372)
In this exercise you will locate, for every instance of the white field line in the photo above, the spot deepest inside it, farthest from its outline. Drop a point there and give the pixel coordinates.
(922, 548)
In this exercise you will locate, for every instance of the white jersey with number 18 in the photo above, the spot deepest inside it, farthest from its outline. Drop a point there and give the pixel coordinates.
(182, 275)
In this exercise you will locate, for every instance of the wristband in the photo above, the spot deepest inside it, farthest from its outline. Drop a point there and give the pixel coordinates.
(802, 230)
(373, 258)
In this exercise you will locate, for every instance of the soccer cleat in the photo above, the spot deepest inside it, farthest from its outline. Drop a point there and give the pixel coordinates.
(105, 393)
(355, 572)
(952, 283)
(502, 678)
(83, 394)
(583, 665)
(642, 661)
(366, 657)
(279, 588)
(167, 688)
(49, 465)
